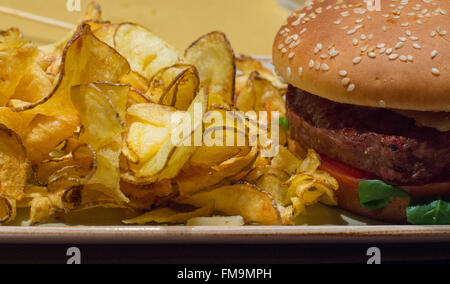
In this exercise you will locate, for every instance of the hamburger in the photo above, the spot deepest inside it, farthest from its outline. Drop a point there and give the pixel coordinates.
(370, 92)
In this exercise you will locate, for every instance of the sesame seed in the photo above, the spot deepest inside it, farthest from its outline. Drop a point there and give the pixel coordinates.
(389, 51)
(413, 38)
(417, 46)
(372, 54)
(402, 39)
(435, 72)
(399, 45)
(384, 28)
(382, 50)
(433, 34)
(317, 66)
(408, 33)
(291, 55)
(381, 45)
(303, 31)
(345, 81)
(364, 48)
(382, 103)
(434, 53)
(363, 37)
(443, 33)
(325, 67)
(284, 50)
(410, 58)
(343, 73)
(288, 72)
(311, 63)
(403, 58)
(355, 42)
(324, 56)
(393, 56)
(280, 46)
(405, 24)
(296, 22)
(333, 53)
(350, 32)
(356, 60)
(300, 71)
(351, 88)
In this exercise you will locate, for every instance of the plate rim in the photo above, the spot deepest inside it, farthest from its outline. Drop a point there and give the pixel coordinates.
(225, 235)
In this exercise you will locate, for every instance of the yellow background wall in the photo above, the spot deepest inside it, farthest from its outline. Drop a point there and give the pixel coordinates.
(249, 24)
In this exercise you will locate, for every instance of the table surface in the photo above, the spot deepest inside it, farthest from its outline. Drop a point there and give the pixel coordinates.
(249, 24)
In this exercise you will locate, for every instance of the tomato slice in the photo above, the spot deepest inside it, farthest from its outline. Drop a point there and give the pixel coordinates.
(350, 176)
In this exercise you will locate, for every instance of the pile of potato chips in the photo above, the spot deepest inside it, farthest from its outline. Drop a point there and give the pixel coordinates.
(88, 122)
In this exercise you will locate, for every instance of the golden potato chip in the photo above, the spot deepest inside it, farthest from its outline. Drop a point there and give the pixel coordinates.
(174, 154)
(102, 110)
(286, 161)
(261, 95)
(45, 133)
(176, 86)
(143, 197)
(15, 121)
(85, 59)
(155, 114)
(246, 65)
(7, 210)
(193, 180)
(34, 85)
(145, 140)
(311, 186)
(14, 165)
(146, 52)
(213, 56)
(244, 200)
(137, 83)
(170, 216)
(16, 56)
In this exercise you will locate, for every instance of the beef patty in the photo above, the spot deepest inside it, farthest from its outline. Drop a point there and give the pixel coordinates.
(379, 141)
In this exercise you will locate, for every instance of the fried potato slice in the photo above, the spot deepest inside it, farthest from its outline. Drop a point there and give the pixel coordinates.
(170, 216)
(145, 140)
(261, 95)
(7, 210)
(34, 85)
(14, 165)
(175, 153)
(214, 58)
(16, 57)
(85, 59)
(102, 109)
(244, 200)
(216, 221)
(45, 133)
(176, 86)
(146, 52)
(286, 161)
(246, 65)
(192, 180)
(15, 121)
(155, 114)
(311, 186)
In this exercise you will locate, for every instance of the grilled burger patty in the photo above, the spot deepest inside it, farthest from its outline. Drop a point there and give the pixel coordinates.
(379, 141)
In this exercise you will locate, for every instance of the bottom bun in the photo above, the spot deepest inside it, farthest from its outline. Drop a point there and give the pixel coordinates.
(348, 199)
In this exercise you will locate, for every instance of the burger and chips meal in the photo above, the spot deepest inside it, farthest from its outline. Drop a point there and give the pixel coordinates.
(112, 116)
(89, 122)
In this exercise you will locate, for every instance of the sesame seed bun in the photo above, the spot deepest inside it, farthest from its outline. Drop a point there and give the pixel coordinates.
(395, 58)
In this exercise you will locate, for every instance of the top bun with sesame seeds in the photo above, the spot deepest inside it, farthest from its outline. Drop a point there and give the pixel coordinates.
(396, 58)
